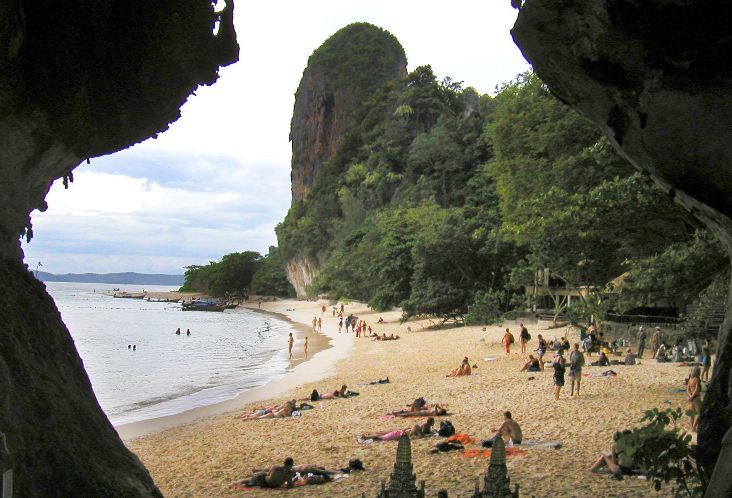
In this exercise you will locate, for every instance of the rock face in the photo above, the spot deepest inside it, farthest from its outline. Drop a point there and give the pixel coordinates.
(656, 77)
(340, 74)
(301, 272)
(78, 79)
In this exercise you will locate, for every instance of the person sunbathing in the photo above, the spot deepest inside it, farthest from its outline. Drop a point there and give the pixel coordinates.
(341, 393)
(273, 412)
(531, 365)
(462, 370)
(419, 430)
(274, 477)
(602, 361)
(437, 410)
(617, 463)
(510, 429)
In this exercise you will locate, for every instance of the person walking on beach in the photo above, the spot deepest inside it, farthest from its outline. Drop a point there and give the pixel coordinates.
(290, 342)
(340, 325)
(541, 350)
(322, 309)
(306, 348)
(641, 341)
(507, 340)
(576, 362)
(524, 337)
(320, 325)
(559, 370)
(315, 322)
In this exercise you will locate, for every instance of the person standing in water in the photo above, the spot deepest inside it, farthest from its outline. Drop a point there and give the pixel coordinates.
(320, 324)
(290, 342)
(177, 331)
(188, 331)
(306, 348)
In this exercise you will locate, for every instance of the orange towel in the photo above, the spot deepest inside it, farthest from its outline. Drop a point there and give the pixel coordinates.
(462, 439)
(474, 453)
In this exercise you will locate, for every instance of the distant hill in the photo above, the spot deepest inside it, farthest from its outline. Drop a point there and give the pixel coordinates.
(114, 278)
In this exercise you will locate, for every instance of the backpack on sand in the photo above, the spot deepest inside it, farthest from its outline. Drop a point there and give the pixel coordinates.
(446, 429)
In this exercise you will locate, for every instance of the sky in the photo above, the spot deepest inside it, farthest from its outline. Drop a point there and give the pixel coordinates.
(218, 181)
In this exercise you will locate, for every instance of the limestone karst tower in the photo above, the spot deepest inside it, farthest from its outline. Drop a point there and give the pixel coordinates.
(402, 483)
(496, 483)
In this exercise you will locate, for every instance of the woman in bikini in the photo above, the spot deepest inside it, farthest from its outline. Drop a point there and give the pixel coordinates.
(419, 430)
(274, 412)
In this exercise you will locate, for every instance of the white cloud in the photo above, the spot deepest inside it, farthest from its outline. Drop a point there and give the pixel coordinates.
(219, 180)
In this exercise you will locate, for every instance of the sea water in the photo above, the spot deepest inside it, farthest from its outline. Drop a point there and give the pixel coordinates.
(227, 352)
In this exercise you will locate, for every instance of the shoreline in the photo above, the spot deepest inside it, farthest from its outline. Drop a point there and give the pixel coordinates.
(321, 345)
(204, 457)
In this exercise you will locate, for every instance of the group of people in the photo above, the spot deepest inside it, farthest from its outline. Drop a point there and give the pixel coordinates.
(291, 343)
(177, 331)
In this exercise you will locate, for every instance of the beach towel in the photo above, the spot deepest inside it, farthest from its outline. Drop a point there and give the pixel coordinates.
(539, 444)
(479, 453)
(462, 439)
(490, 358)
(385, 417)
(675, 390)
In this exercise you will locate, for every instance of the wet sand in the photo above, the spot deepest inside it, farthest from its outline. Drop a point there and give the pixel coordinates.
(204, 456)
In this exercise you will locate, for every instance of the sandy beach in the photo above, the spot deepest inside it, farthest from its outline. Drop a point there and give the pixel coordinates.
(193, 458)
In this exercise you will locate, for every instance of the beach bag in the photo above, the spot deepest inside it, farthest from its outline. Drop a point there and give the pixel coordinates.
(314, 396)
(528, 337)
(511, 340)
(419, 404)
(446, 429)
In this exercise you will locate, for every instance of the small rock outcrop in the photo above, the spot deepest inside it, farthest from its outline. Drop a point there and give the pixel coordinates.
(78, 79)
(347, 69)
(656, 77)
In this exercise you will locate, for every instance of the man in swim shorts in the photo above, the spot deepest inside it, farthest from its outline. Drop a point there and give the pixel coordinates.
(510, 429)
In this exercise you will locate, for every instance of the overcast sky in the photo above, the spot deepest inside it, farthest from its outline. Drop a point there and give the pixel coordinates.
(219, 180)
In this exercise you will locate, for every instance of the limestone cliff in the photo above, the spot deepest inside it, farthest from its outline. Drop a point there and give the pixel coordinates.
(78, 79)
(301, 272)
(340, 74)
(656, 77)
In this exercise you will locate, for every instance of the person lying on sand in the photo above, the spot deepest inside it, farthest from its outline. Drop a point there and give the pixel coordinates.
(462, 370)
(510, 429)
(274, 477)
(274, 412)
(419, 430)
(617, 463)
(531, 365)
(380, 381)
(437, 410)
(340, 393)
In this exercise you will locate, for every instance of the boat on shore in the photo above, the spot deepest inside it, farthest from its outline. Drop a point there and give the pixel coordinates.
(129, 295)
(203, 305)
